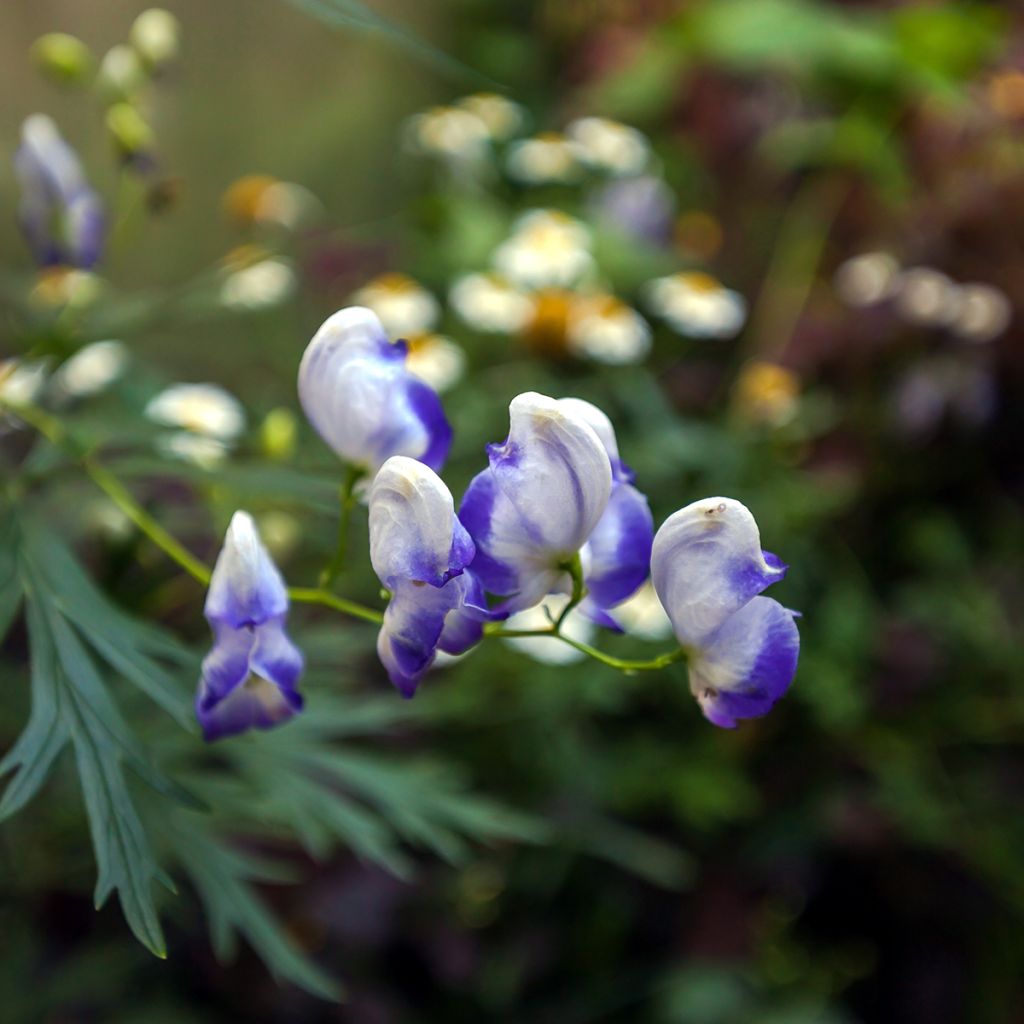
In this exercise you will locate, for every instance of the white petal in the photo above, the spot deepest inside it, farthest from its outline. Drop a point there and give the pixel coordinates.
(707, 563)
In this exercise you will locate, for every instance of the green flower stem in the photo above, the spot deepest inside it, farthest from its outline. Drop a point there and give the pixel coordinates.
(622, 664)
(347, 501)
(575, 569)
(317, 595)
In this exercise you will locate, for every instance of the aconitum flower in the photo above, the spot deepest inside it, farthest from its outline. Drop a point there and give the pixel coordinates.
(616, 557)
(60, 214)
(359, 394)
(538, 503)
(420, 553)
(249, 677)
(708, 569)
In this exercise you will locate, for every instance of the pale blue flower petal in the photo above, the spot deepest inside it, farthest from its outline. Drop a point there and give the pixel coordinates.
(707, 563)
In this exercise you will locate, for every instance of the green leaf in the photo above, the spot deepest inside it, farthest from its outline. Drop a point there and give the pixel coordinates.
(221, 876)
(357, 17)
(71, 704)
(10, 581)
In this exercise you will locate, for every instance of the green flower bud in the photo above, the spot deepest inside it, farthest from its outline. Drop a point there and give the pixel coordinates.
(278, 434)
(121, 74)
(155, 35)
(130, 131)
(62, 58)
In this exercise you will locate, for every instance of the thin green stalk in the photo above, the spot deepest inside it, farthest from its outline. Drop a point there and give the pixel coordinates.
(347, 502)
(575, 569)
(316, 595)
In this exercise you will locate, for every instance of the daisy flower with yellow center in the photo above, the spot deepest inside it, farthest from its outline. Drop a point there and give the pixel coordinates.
(697, 305)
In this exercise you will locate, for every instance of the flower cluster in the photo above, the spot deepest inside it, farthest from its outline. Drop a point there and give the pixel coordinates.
(553, 521)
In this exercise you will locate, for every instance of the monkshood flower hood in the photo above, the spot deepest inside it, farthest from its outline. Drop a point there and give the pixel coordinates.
(420, 552)
(60, 214)
(357, 392)
(249, 677)
(538, 502)
(708, 569)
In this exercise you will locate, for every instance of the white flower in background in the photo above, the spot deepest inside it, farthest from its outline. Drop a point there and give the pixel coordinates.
(264, 199)
(548, 158)
(609, 145)
(548, 649)
(436, 360)
(21, 382)
(403, 305)
(605, 329)
(203, 409)
(546, 247)
(502, 117)
(867, 279)
(489, 303)
(121, 73)
(697, 305)
(91, 369)
(643, 615)
(984, 314)
(451, 133)
(205, 452)
(259, 286)
(927, 297)
(66, 286)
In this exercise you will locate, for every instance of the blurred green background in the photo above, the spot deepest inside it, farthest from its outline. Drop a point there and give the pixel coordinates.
(858, 855)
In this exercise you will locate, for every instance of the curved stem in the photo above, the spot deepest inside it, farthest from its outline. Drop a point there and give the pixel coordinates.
(317, 595)
(575, 569)
(622, 664)
(347, 502)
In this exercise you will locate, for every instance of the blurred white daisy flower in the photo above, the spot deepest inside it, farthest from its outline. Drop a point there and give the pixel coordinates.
(205, 452)
(451, 133)
(643, 615)
(546, 247)
(263, 199)
(436, 360)
(203, 409)
(985, 312)
(697, 305)
(489, 303)
(21, 382)
(502, 117)
(404, 306)
(605, 329)
(259, 286)
(867, 279)
(91, 369)
(550, 650)
(609, 145)
(548, 158)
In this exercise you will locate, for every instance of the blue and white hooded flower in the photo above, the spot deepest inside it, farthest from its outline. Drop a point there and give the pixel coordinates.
(539, 501)
(420, 552)
(617, 556)
(249, 677)
(357, 392)
(708, 569)
(60, 214)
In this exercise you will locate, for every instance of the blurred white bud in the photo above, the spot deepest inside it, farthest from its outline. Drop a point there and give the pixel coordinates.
(489, 303)
(121, 73)
(984, 314)
(927, 297)
(550, 650)
(155, 35)
(867, 279)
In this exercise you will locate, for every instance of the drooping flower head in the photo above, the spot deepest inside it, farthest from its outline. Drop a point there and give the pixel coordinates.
(249, 677)
(708, 569)
(362, 399)
(617, 555)
(532, 510)
(60, 214)
(420, 552)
